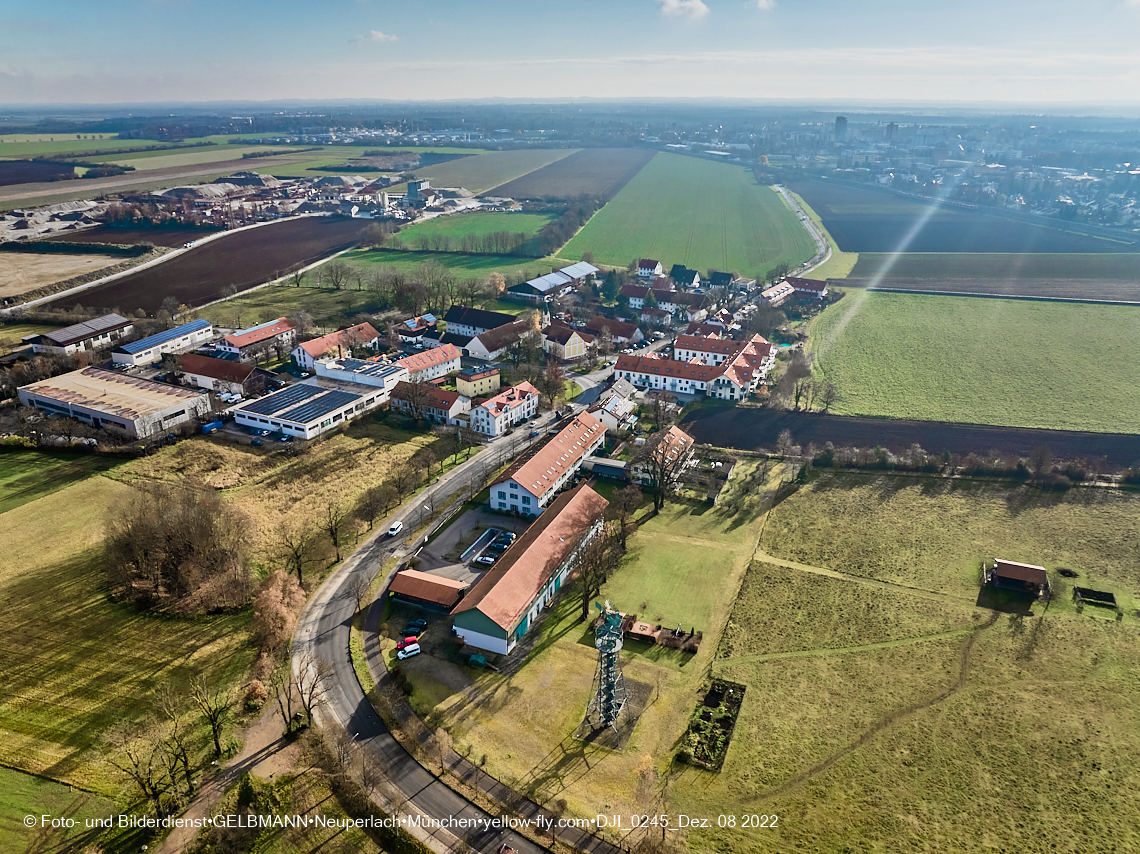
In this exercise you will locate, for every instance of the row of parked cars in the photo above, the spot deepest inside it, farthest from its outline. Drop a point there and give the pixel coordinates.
(495, 551)
(409, 645)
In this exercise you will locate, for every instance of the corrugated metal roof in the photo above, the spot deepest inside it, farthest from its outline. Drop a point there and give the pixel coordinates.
(89, 329)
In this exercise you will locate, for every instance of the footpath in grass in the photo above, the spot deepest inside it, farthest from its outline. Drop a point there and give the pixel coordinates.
(682, 210)
(983, 361)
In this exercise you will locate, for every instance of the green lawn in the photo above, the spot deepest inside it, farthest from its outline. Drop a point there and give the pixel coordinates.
(11, 333)
(21, 145)
(145, 161)
(28, 475)
(486, 169)
(705, 215)
(986, 361)
(475, 223)
(328, 307)
(464, 266)
(22, 794)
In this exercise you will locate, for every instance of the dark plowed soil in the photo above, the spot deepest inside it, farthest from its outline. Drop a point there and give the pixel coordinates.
(243, 259)
(110, 234)
(753, 429)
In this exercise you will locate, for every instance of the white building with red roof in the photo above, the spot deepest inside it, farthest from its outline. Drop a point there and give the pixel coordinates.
(250, 343)
(532, 482)
(715, 367)
(336, 344)
(648, 268)
(503, 605)
(816, 288)
(495, 416)
(436, 362)
(424, 400)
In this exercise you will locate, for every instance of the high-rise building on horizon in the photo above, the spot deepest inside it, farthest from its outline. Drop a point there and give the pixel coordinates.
(840, 128)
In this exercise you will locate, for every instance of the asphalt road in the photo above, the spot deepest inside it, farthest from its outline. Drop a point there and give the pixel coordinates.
(324, 629)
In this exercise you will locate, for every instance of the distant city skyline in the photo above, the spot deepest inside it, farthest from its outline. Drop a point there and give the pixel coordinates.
(1050, 52)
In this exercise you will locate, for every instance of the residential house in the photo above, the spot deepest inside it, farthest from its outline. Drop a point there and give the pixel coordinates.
(732, 376)
(620, 331)
(493, 344)
(532, 482)
(673, 451)
(648, 268)
(252, 344)
(434, 362)
(470, 322)
(566, 344)
(89, 336)
(180, 339)
(412, 330)
(424, 400)
(338, 344)
(814, 288)
(778, 294)
(476, 382)
(683, 277)
(616, 412)
(686, 307)
(499, 609)
(222, 375)
(496, 416)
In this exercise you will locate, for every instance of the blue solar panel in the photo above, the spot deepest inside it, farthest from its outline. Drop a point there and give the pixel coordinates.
(330, 402)
(163, 337)
(282, 399)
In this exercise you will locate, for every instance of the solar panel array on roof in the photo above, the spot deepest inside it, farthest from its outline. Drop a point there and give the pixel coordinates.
(88, 329)
(314, 409)
(282, 399)
(163, 337)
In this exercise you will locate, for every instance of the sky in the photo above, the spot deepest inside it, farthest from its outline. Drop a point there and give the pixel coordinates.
(1045, 52)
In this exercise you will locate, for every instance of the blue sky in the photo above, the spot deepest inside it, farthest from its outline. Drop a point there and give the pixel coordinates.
(1007, 51)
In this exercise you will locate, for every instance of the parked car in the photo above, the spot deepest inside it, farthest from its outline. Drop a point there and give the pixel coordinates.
(509, 536)
(407, 642)
(395, 529)
(533, 433)
(498, 547)
(408, 651)
(418, 625)
(486, 560)
(257, 443)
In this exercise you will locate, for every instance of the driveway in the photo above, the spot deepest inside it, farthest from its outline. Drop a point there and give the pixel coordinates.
(468, 527)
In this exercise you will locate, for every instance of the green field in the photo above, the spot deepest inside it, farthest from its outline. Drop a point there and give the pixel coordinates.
(705, 215)
(463, 266)
(22, 794)
(477, 223)
(954, 265)
(984, 361)
(11, 333)
(28, 475)
(484, 170)
(21, 145)
(145, 161)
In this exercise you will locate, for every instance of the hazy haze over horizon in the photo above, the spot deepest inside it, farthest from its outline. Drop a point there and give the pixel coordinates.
(1049, 52)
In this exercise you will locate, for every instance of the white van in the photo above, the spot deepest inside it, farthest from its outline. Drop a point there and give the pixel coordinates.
(408, 651)
(395, 529)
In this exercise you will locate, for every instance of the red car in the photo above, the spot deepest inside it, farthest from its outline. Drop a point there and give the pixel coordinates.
(406, 642)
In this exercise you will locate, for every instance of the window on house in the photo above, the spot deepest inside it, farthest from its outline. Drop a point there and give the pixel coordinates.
(502, 494)
(526, 499)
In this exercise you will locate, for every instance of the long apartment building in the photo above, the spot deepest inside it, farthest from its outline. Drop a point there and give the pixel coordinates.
(532, 482)
(713, 366)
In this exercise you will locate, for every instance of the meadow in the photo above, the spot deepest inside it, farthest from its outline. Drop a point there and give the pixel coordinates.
(462, 266)
(11, 333)
(982, 361)
(476, 223)
(600, 172)
(21, 272)
(23, 794)
(705, 215)
(863, 219)
(26, 475)
(486, 169)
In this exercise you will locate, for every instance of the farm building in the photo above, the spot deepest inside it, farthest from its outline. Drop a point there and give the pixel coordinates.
(102, 398)
(565, 343)
(506, 409)
(339, 343)
(533, 481)
(305, 410)
(554, 284)
(222, 375)
(676, 303)
(253, 343)
(474, 382)
(357, 372)
(436, 362)
(1019, 577)
(814, 288)
(424, 590)
(507, 601)
(88, 336)
(180, 339)
(424, 400)
(492, 345)
(470, 322)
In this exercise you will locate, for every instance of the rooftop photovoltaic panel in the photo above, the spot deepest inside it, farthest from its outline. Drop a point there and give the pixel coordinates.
(163, 337)
(87, 329)
(313, 410)
(282, 399)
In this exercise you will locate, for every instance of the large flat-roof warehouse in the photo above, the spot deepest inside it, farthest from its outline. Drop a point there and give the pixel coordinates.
(180, 339)
(104, 398)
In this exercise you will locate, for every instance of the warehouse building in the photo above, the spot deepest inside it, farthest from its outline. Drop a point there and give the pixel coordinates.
(180, 339)
(306, 411)
(90, 335)
(383, 376)
(102, 398)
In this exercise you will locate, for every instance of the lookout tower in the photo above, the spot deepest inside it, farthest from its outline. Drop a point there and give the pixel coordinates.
(609, 684)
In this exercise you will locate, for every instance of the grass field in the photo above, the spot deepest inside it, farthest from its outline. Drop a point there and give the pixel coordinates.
(145, 161)
(476, 223)
(19, 145)
(22, 794)
(984, 361)
(705, 215)
(463, 266)
(600, 172)
(28, 475)
(486, 169)
(11, 333)
(878, 715)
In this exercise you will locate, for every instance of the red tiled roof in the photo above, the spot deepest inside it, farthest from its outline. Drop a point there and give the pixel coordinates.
(509, 398)
(218, 369)
(708, 344)
(319, 346)
(647, 263)
(703, 328)
(806, 284)
(430, 358)
(539, 471)
(503, 336)
(562, 334)
(597, 324)
(433, 397)
(259, 333)
(507, 590)
(427, 588)
(667, 368)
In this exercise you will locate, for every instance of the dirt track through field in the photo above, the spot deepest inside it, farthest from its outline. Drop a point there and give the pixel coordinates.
(890, 720)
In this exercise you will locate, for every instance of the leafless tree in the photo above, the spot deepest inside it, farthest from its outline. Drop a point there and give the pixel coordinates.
(303, 321)
(830, 394)
(596, 562)
(138, 756)
(296, 548)
(664, 407)
(284, 693)
(215, 705)
(784, 443)
(370, 505)
(337, 274)
(332, 521)
(311, 674)
(623, 505)
(358, 588)
(660, 462)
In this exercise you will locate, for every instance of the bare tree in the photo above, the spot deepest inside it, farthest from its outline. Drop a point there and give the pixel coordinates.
(830, 395)
(332, 521)
(370, 505)
(138, 756)
(784, 443)
(664, 407)
(358, 588)
(296, 548)
(284, 693)
(596, 563)
(623, 505)
(215, 704)
(441, 741)
(311, 674)
(660, 462)
(337, 273)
